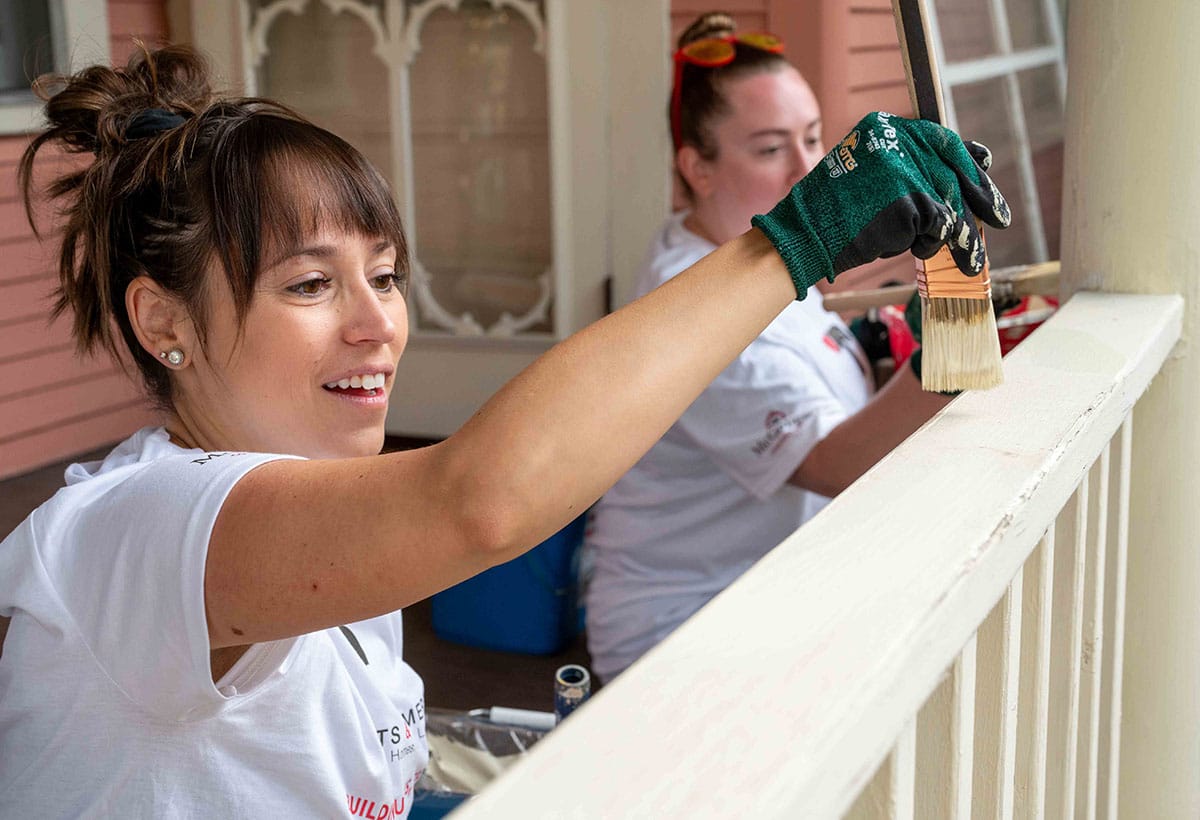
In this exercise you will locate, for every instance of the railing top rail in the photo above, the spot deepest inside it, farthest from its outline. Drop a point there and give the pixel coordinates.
(780, 697)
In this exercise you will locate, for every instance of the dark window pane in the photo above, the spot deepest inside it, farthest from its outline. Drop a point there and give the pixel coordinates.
(966, 29)
(1043, 110)
(26, 46)
(982, 110)
(1027, 24)
(1042, 105)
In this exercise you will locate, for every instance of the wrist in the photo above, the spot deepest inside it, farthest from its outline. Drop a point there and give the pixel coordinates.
(796, 242)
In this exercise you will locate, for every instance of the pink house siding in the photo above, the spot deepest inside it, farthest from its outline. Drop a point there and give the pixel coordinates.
(54, 403)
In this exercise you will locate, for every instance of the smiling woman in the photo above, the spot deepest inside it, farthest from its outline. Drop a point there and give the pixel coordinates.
(212, 612)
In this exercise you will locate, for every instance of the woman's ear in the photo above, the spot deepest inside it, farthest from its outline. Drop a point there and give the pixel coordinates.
(695, 170)
(159, 320)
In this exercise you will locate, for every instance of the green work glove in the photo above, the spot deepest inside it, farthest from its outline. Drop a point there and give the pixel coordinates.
(890, 186)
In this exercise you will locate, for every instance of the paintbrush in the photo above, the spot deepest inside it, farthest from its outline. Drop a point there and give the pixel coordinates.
(961, 348)
(1036, 279)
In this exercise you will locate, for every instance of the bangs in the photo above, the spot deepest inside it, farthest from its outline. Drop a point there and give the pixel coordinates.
(281, 181)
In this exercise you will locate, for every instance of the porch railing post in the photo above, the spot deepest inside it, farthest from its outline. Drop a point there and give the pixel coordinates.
(1129, 224)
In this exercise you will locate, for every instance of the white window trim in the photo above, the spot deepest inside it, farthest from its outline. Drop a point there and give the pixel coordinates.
(1006, 64)
(81, 39)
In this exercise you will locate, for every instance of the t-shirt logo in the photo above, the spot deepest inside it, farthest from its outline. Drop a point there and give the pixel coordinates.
(779, 427)
(835, 338)
(207, 457)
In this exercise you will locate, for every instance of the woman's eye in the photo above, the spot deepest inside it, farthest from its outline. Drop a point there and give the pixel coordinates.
(385, 282)
(310, 287)
(770, 149)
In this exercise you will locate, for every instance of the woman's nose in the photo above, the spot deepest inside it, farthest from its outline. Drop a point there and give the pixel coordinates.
(807, 156)
(369, 318)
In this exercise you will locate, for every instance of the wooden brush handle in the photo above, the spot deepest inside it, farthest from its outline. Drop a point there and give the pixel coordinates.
(925, 91)
(920, 65)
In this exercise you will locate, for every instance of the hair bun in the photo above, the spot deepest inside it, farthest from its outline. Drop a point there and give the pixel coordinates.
(711, 24)
(92, 109)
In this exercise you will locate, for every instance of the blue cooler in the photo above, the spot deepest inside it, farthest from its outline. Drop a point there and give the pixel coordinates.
(434, 806)
(529, 604)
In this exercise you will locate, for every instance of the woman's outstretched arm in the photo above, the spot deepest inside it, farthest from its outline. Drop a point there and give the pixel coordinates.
(300, 546)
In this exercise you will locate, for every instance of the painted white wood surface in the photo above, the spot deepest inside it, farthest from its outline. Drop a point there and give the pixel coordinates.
(1111, 762)
(995, 716)
(1006, 766)
(938, 745)
(783, 696)
(963, 732)
(1093, 641)
(891, 793)
(1029, 793)
(902, 772)
(1074, 658)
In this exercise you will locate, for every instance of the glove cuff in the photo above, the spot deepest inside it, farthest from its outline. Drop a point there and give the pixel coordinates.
(798, 245)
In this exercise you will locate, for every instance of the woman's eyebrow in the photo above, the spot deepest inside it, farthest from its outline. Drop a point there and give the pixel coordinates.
(769, 132)
(324, 252)
(318, 251)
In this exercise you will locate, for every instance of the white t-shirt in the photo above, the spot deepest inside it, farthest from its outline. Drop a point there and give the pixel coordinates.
(711, 497)
(107, 704)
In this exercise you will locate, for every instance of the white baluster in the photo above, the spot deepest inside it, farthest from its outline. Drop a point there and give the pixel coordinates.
(1118, 638)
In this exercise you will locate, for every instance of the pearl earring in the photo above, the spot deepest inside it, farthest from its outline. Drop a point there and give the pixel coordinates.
(173, 356)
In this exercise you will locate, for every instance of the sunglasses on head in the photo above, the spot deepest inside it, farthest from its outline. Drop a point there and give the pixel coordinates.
(712, 52)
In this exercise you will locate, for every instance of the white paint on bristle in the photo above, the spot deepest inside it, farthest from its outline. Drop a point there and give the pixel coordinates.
(960, 345)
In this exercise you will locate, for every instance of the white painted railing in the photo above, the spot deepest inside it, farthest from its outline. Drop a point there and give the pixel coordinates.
(940, 642)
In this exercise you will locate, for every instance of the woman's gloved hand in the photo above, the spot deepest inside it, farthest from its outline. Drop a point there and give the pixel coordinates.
(890, 186)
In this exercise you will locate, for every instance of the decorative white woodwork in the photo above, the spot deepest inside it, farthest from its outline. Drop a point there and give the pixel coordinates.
(462, 131)
(606, 77)
(786, 694)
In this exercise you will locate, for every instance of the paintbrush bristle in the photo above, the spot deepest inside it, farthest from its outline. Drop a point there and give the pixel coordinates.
(961, 345)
